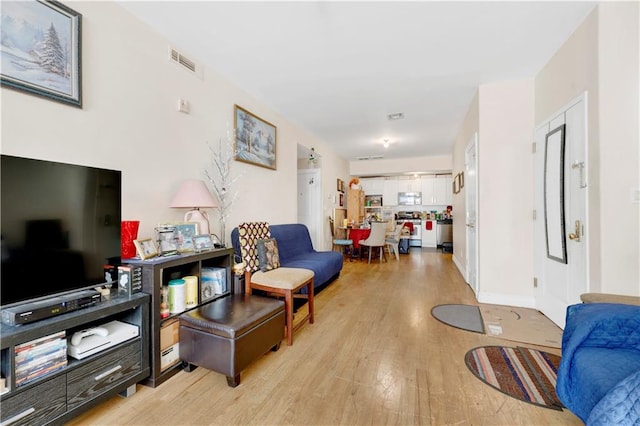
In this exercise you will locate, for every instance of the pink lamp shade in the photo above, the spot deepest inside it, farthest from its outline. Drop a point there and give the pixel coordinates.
(193, 194)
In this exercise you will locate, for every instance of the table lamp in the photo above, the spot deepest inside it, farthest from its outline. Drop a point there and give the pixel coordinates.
(193, 194)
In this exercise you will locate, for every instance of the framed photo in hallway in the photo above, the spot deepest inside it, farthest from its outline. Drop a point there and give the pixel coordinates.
(40, 51)
(255, 139)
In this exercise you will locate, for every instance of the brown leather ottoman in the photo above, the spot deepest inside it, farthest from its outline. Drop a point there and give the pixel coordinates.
(228, 334)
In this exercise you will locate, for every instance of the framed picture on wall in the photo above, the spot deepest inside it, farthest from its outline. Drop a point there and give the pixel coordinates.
(341, 200)
(255, 139)
(41, 50)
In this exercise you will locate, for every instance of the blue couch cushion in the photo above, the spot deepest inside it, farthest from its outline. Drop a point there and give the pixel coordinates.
(296, 251)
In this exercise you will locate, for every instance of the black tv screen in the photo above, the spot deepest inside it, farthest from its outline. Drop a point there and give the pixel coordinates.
(60, 224)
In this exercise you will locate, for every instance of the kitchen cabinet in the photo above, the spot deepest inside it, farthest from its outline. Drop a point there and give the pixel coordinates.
(409, 185)
(436, 190)
(390, 192)
(372, 186)
(427, 184)
(443, 190)
(429, 236)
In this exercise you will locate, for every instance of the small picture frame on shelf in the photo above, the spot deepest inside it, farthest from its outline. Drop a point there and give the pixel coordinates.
(146, 248)
(167, 243)
(202, 243)
(184, 236)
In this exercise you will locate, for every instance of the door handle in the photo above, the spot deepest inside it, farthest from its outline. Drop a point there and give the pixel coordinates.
(575, 235)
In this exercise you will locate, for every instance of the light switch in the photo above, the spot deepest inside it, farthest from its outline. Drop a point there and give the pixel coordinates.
(183, 106)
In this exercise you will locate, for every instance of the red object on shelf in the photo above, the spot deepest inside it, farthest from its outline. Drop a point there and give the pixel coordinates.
(129, 232)
(429, 225)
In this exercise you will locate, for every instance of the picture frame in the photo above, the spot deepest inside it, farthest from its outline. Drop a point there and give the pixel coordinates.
(184, 233)
(166, 237)
(456, 184)
(255, 139)
(146, 248)
(340, 185)
(46, 54)
(202, 242)
(341, 200)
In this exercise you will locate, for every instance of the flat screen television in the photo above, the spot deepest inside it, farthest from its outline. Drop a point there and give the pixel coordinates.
(59, 223)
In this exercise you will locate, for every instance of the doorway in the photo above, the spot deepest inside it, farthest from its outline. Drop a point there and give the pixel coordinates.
(560, 203)
(309, 189)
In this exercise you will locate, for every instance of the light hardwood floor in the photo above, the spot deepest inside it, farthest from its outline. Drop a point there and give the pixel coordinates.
(374, 356)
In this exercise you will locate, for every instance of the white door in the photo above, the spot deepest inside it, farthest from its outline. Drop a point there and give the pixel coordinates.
(471, 203)
(310, 204)
(560, 243)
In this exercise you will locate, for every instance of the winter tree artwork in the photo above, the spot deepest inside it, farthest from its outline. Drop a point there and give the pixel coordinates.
(255, 139)
(40, 50)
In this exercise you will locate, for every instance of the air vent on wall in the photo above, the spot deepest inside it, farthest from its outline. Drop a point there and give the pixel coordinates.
(395, 116)
(184, 62)
(362, 158)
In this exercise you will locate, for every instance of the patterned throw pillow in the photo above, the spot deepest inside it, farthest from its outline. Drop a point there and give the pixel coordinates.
(248, 235)
(268, 254)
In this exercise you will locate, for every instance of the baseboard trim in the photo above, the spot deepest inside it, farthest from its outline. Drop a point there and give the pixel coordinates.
(462, 269)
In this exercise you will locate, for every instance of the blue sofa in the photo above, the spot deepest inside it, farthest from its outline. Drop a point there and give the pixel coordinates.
(599, 374)
(296, 251)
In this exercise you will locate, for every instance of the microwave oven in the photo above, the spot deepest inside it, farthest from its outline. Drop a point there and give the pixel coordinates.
(409, 198)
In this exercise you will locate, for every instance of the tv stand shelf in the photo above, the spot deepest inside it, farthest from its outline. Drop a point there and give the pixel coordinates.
(60, 395)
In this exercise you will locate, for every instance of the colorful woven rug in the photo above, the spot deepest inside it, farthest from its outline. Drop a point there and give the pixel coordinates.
(525, 374)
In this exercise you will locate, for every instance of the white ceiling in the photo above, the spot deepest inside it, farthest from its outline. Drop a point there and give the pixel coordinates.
(337, 69)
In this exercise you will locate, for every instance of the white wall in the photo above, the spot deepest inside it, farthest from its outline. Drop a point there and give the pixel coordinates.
(505, 193)
(130, 122)
(619, 112)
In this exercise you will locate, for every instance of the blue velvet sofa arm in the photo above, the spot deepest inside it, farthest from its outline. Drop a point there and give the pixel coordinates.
(600, 348)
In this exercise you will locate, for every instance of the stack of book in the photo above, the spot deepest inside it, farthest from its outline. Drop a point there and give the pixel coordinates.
(40, 357)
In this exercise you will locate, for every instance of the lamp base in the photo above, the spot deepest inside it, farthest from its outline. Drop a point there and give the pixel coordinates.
(200, 217)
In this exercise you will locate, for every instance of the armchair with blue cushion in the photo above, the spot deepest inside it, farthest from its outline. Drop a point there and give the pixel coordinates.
(599, 375)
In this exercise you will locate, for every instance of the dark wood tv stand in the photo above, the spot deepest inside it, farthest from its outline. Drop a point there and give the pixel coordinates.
(60, 395)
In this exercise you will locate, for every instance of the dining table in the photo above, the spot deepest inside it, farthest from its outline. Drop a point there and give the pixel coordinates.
(357, 234)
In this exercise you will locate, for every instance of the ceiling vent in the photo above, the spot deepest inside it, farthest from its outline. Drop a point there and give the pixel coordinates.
(370, 157)
(185, 63)
(395, 116)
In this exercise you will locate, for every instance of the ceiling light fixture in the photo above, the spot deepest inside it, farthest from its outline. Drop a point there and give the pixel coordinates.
(386, 143)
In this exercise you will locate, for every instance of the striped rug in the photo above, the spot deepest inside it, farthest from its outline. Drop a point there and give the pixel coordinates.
(525, 374)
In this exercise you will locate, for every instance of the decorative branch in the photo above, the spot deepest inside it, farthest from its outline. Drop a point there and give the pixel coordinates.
(221, 178)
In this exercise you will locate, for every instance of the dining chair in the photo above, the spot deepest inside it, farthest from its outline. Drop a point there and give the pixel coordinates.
(267, 275)
(376, 239)
(392, 240)
(346, 244)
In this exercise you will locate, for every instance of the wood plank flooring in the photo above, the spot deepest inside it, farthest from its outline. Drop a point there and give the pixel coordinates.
(374, 356)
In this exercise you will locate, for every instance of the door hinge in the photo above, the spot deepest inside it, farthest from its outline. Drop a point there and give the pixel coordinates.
(533, 148)
(535, 282)
(535, 214)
